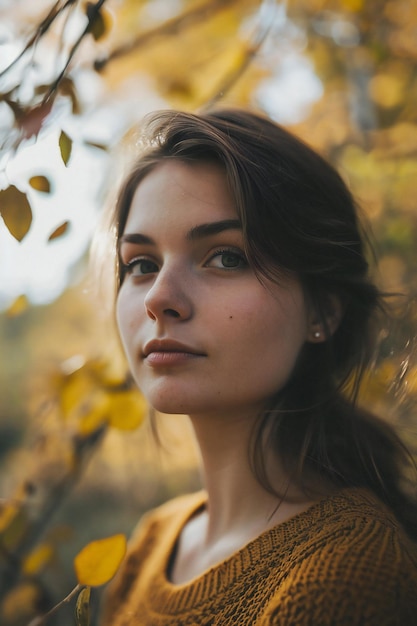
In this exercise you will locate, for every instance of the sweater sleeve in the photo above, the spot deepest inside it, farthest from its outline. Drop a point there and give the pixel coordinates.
(368, 585)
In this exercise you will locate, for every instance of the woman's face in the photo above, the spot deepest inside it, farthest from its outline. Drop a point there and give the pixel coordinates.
(202, 335)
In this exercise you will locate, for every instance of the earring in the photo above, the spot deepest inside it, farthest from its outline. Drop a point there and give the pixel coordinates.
(317, 334)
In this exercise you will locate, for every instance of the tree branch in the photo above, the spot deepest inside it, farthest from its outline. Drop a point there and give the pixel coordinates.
(92, 14)
(171, 27)
(43, 28)
(252, 50)
(41, 620)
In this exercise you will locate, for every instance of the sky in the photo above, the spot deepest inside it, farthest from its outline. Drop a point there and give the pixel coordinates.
(42, 270)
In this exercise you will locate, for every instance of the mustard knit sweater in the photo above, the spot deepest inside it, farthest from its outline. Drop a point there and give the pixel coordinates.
(343, 562)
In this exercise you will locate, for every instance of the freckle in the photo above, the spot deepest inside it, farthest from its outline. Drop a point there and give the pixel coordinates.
(230, 317)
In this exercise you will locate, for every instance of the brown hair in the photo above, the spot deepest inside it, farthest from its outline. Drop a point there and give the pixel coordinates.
(297, 215)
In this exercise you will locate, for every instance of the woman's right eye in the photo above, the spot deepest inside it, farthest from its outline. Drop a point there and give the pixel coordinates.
(140, 267)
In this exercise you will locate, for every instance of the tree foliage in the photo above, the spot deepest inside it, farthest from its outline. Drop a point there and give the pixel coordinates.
(68, 61)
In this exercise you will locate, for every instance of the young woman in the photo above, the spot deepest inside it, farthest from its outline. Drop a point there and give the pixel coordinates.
(244, 301)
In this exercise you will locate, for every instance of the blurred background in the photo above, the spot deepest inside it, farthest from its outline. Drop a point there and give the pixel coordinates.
(78, 459)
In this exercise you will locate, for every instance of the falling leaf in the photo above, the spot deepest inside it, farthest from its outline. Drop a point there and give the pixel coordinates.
(58, 232)
(18, 306)
(37, 560)
(15, 211)
(65, 146)
(127, 409)
(40, 183)
(94, 144)
(99, 560)
(82, 607)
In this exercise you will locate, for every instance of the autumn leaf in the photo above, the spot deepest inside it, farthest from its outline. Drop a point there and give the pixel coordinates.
(30, 120)
(65, 146)
(20, 603)
(13, 525)
(82, 607)
(18, 306)
(127, 410)
(37, 560)
(40, 183)
(99, 560)
(15, 211)
(58, 232)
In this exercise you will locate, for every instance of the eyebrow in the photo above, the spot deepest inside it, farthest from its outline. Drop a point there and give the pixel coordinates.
(197, 232)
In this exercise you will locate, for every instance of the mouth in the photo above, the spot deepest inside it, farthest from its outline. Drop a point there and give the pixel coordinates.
(169, 350)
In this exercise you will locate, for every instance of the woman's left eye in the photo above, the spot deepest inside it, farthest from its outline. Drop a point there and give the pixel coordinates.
(227, 259)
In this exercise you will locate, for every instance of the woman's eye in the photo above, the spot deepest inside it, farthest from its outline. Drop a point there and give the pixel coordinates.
(140, 267)
(227, 259)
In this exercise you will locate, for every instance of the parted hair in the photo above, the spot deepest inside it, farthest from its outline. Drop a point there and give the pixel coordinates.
(297, 216)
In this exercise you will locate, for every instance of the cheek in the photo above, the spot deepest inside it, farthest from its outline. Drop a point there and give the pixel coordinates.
(126, 313)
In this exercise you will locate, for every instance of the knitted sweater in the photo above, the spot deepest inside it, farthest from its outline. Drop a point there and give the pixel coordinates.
(343, 562)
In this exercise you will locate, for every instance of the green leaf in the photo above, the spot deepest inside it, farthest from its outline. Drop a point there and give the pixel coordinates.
(40, 183)
(82, 607)
(15, 211)
(65, 146)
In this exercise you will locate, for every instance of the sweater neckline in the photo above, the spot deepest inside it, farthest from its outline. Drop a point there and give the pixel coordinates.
(278, 542)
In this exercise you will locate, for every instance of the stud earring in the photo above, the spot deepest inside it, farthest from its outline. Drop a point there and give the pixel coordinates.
(317, 334)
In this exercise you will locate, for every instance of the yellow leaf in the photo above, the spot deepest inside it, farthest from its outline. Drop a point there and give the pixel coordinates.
(353, 5)
(15, 211)
(65, 146)
(37, 560)
(20, 603)
(99, 560)
(127, 409)
(93, 413)
(40, 183)
(13, 525)
(82, 607)
(58, 232)
(387, 90)
(18, 307)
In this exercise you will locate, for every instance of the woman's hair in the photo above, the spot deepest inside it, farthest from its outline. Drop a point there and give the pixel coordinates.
(297, 216)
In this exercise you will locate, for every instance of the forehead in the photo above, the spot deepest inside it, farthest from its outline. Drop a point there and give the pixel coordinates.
(178, 193)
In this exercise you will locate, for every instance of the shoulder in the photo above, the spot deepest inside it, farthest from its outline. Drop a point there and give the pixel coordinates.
(352, 564)
(362, 536)
(153, 536)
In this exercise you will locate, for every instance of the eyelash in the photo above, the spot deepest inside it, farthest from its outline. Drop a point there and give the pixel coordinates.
(127, 268)
(232, 252)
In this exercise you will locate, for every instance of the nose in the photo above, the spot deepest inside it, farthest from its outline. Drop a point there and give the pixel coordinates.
(169, 296)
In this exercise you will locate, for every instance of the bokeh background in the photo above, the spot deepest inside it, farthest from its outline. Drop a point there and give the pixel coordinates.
(78, 458)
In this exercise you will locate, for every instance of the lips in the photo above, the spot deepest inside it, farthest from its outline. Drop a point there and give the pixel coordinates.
(169, 346)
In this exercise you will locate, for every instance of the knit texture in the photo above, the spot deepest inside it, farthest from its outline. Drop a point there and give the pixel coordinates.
(343, 562)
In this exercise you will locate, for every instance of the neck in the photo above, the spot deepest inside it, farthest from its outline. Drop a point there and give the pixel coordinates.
(236, 499)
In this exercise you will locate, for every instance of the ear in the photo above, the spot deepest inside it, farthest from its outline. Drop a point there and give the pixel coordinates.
(324, 324)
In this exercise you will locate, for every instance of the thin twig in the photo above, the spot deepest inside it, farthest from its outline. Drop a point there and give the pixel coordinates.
(54, 86)
(40, 620)
(40, 31)
(259, 37)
